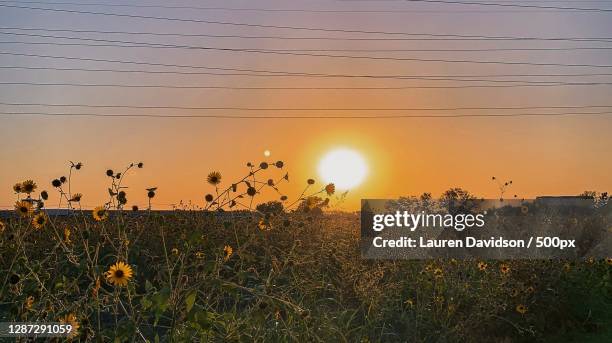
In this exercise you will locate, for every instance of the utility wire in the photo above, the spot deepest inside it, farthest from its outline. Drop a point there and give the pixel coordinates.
(220, 116)
(516, 84)
(238, 9)
(407, 77)
(136, 44)
(547, 7)
(306, 109)
(244, 9)
(539, 64)
(159, 45)
(429, 36)
(238, 24)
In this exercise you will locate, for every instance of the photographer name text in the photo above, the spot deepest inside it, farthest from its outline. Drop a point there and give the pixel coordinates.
(473, 242)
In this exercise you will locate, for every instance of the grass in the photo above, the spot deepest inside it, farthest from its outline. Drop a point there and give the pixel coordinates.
(280, 276)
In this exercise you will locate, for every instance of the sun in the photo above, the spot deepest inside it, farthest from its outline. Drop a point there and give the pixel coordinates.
(346, 168)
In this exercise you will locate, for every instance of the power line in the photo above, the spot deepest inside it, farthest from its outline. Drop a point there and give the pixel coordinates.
(159, 45)
(237, 24)
(241, 9)
(430, 36)
(407, 77)
(518, 84)
(441, 109)
(281, 52)
(547, 7)
(220, 116)
(539, 64)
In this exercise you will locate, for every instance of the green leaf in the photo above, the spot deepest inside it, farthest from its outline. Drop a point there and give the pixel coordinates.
(190, 300)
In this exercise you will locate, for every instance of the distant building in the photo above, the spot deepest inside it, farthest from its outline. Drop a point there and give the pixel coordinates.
(566, 200)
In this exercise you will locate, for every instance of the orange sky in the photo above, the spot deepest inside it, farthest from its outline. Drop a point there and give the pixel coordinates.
(560, 155)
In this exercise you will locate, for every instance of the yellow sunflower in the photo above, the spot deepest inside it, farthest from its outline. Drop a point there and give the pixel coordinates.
(524, 209)
(29, 302)
(438, 273)
(409, 302)
(214, 178)
(263, 225)
(199, 255)
(227, 252)
(330, 189)
(28, 186)
(2, 227)
(608, 259)
(67, 234)
(119, 274)
(40, 220)
(71, 320)
(24, 208)
(482, 266)
(520, 308)
(100, 213)
(504, 268)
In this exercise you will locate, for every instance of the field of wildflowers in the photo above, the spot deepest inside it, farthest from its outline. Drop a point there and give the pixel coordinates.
(288, 270)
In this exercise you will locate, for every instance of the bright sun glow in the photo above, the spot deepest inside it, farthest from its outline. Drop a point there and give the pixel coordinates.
(346, 168)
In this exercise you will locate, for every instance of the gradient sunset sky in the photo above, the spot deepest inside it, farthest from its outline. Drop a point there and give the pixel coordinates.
(562, 155)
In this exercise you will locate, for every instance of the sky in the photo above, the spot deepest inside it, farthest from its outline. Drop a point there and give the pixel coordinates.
(554, 155)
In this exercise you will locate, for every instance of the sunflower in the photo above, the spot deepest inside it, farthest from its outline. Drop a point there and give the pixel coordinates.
(119, 274)
(18, 188)
(199, 255)
(529, 290)
(520, 308)
(330, 189)
(438, 273)
(40, 220)
(29, 302)
(524, 209)
(28, 186)
(100, 213)
(567, 267)
(24, 208)
(214, 178)
(71, 320)
(227, 252)
(76, 197)
(67, 234)
(608, 259)
(409, 302)
(504, 268)
(2, 227)
(263, 225)
(482, 266)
